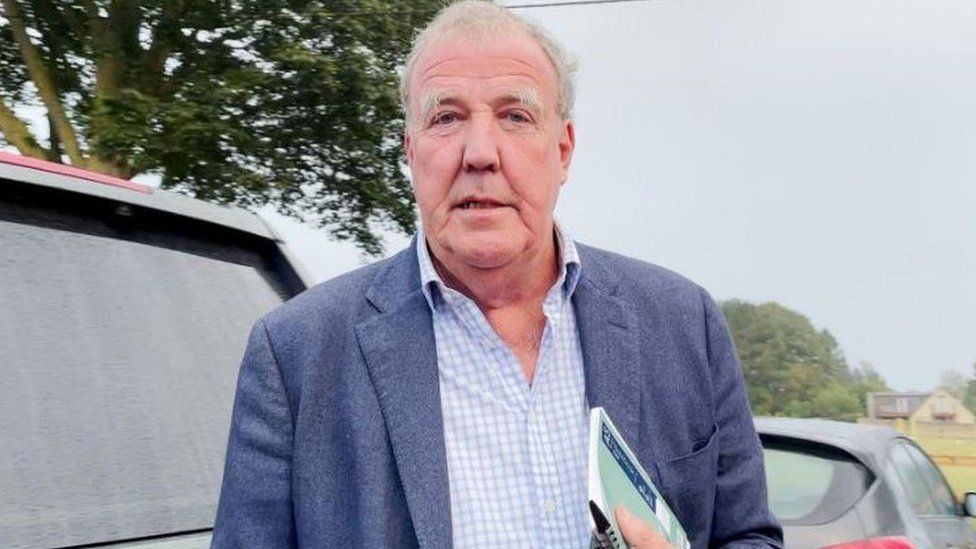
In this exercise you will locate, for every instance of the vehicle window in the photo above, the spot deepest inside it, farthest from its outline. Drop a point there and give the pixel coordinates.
(119, 360)
(912, 480)
(812, 485)
(945, 503)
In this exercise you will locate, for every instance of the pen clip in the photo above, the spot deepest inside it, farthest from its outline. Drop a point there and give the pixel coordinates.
(602, 535)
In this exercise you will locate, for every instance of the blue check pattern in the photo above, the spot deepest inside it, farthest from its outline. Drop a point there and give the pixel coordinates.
(516, 453)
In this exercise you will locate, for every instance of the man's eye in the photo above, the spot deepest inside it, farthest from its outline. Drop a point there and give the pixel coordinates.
(444, 118)
(518, 117)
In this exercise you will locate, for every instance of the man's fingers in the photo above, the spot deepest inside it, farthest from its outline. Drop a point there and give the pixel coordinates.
(636, 532)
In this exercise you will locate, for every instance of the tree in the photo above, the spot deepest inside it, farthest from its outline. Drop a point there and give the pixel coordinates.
(953, 383)
(247, 102)
(867, 380)
(791, 368)
(969, 398)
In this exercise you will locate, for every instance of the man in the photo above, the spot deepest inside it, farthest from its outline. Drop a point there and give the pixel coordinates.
(440, 398)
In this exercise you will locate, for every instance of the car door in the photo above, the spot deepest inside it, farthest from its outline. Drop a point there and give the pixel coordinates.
(930, 497)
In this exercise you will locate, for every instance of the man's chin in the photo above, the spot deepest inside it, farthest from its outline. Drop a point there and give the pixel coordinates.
(489, 259)
(488, 254)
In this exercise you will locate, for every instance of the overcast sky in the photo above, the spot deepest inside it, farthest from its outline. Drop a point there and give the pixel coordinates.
(820, 154)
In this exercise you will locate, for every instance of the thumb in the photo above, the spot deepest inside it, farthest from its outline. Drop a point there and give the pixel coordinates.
(636, 532)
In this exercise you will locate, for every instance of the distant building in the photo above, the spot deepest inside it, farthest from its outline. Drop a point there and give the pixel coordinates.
(936, 407)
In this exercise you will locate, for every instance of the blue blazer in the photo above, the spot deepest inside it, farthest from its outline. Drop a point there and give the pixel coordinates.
(337, 439)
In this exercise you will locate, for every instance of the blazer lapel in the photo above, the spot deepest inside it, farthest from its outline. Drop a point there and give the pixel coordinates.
(608, 336)
(398, 345)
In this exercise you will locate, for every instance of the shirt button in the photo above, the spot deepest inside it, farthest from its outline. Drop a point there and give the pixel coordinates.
(548, 505)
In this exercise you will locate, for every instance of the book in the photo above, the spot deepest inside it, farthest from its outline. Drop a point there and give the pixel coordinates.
(617, 478)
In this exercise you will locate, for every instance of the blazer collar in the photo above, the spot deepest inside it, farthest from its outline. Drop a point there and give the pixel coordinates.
(396, 280)
(608, 329)
(398, 346)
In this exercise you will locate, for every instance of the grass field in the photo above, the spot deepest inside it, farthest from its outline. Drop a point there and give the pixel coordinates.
(947, 446)
(960, 479)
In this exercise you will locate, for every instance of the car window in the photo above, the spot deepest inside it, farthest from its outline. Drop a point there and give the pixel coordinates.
(912, 479)
(120, 349)
(812, 485)
(942, 498)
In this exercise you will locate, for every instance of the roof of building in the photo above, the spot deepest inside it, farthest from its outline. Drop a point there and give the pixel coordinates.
(895, 405)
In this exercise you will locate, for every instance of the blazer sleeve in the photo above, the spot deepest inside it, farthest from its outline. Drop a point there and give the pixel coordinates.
(741, 513)
(255, 508)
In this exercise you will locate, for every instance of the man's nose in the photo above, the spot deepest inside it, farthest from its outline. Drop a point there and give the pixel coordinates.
(481, 145)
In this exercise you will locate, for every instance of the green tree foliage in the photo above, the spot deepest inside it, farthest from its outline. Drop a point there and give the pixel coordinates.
(247, 102)
(953, 383)
(969, 398)
(868, 380)
(791, 368)
(960, 386)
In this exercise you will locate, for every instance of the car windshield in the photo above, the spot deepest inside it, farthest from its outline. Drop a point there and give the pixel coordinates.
(800, 479)
(119, 350)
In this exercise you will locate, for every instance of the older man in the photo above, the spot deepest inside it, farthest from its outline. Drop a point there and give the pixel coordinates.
(440, 397)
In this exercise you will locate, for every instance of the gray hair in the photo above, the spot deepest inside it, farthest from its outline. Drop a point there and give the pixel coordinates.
(485, 20)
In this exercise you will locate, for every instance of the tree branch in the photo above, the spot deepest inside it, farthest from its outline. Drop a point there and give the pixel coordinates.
(54, 150)
(91, 8)
(114, 39)
(74, 20)
(45, 83)
(166, 30)
(66, 14)
(18, 134)
(57, 35)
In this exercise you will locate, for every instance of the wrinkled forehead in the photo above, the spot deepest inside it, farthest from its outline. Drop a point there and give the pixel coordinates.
(510, 60)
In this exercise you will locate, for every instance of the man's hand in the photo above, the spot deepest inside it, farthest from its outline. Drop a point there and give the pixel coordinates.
(636, 532)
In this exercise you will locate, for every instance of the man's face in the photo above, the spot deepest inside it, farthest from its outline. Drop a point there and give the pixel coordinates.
(487, 149)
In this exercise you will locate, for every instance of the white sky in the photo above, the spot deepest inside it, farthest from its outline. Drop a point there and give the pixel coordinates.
(821, 154)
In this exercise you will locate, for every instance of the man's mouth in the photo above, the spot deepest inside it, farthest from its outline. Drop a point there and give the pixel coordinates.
(478, 205)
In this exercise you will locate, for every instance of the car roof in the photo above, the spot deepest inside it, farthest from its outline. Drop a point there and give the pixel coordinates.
(868, 443)
(59, 177)
(71, 179)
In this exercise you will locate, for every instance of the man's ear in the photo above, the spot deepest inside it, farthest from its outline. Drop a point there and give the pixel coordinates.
(407, 145)
(567, 144)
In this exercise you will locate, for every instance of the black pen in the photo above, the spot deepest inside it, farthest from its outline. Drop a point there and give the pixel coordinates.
(603, 537)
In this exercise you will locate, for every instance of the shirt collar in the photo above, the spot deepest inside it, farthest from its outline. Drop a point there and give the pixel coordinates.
(569, 267)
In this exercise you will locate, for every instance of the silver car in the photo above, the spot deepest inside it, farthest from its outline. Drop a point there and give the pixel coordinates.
(843, 485)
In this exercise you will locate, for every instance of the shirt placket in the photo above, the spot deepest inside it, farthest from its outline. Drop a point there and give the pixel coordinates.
(544, 465)
(547, 524)
(487, 376)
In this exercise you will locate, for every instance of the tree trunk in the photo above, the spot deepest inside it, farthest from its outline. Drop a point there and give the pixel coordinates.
(114, 38)
(16, 132)
(54, 151)
(44, 82)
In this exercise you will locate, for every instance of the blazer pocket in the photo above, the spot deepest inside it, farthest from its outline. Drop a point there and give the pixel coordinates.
(689, 486)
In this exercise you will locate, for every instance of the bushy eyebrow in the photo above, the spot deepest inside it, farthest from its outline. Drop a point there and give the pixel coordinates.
(430, 104)
(527, 97)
